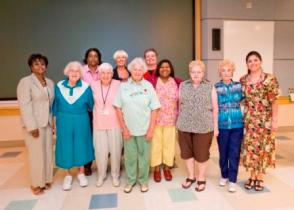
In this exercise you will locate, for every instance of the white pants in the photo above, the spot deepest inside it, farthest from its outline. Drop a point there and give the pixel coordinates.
(105, 142)
(40, 155)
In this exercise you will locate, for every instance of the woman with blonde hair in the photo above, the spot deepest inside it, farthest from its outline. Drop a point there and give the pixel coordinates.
(230, 124)
(197, 123)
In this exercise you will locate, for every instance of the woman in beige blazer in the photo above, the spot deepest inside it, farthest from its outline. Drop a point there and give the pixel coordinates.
(35, 95)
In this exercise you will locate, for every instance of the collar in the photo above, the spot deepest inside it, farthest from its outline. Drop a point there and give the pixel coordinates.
(89, 70)
(231, 83)
(131, 81)
(65, 83)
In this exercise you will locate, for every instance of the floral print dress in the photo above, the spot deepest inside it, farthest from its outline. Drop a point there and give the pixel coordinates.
(258, 151)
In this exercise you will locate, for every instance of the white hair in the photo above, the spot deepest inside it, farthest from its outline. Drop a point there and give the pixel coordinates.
(137, 63)
(120, 53)
(72, 64)
(104, 67)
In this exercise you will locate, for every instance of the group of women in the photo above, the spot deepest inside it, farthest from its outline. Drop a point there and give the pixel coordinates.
(138, 111)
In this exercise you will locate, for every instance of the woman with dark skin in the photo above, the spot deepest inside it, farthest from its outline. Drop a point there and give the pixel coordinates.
(35, 94)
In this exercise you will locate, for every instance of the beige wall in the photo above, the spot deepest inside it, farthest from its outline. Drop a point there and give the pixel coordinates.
(214, 12)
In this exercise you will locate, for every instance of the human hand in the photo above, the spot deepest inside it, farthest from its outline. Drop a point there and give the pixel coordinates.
(126, 134)
(35, 133)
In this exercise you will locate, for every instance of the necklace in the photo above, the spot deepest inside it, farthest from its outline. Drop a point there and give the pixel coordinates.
(102, 95)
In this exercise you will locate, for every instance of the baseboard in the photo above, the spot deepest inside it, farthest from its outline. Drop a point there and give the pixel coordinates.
(12, 143)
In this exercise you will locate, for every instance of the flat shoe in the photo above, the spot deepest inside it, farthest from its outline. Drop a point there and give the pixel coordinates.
(188, 183)
(197, 188)
(37, 190)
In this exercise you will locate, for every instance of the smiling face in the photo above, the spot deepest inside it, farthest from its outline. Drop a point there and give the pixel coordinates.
(164, 70)
(253, 64)
(105, 77)
(38, 67)
(226, 73)
(196, 74)
(150, 58)
(137, 74)
(92, 58)
(74, 74)
(121, 60)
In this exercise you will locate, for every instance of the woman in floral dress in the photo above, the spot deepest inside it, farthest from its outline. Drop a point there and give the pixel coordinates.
(261, 91)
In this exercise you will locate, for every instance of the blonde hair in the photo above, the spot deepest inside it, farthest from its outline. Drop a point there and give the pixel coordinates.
(72, 64)
(199, 63)
(226, 62)
(137, 63)
(120, 53)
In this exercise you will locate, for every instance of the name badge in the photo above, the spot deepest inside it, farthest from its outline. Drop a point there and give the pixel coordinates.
(104, 111)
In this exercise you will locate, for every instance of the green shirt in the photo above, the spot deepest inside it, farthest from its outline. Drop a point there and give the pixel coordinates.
(137, 100)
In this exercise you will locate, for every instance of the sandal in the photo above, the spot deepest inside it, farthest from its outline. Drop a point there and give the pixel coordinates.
(37, 190)
(188, 183)
(249, 184)
(197, 188)
(47, 186)
(258, 186)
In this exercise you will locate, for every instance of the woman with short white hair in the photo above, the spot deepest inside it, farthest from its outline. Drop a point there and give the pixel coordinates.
(106, 127)
(74, 146)
(197, 123)
(137, 106)
(120, 72)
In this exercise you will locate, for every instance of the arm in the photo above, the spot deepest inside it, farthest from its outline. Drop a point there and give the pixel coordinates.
(125, 130)
(275, 116)
(214, 111)
(152, 123)
(26, 107)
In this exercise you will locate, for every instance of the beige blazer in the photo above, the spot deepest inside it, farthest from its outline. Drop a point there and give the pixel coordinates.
(35, 102)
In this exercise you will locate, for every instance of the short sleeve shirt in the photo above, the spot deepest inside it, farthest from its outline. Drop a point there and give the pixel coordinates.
(136, 101)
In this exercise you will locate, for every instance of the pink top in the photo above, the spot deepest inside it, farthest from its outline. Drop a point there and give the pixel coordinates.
(88, 76)
(168, 94)
(104, 116)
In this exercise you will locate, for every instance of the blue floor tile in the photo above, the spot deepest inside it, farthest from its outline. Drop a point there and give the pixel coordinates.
(9, 154)
(252, 191)
(181, 195)
(103, 201)
(21, 205)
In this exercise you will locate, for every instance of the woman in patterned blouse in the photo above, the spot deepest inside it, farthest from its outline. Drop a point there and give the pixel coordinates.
(164, 138)
(197, 123)
(230, 124)
(261, 91)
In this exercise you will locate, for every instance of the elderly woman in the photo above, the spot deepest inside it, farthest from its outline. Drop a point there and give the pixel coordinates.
(90, 74)
(120, 72)
(150, 56)
(197, 123)
(35, 95)
(261, 92)
(165, 135)
(74, 146)
(107, 131)
(137, 106)
(230, 124)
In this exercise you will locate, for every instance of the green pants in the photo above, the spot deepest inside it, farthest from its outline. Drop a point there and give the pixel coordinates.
(137, 157)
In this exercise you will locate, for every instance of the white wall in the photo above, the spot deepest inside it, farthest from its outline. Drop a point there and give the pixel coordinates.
(240, 37)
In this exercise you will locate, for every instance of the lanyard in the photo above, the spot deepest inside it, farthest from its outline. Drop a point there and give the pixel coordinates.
(104, 99)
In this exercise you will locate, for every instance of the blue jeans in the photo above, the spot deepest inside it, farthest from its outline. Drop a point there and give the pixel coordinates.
(229, 145)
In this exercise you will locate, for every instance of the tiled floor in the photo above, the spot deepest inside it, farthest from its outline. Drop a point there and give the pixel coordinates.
(278, 194)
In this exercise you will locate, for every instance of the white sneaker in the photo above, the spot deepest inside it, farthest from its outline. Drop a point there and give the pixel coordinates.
(223, 182)
(100, 182)
(67, 182)
(116, 182)
(144, 188)
(82, 180)
(232, 187)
